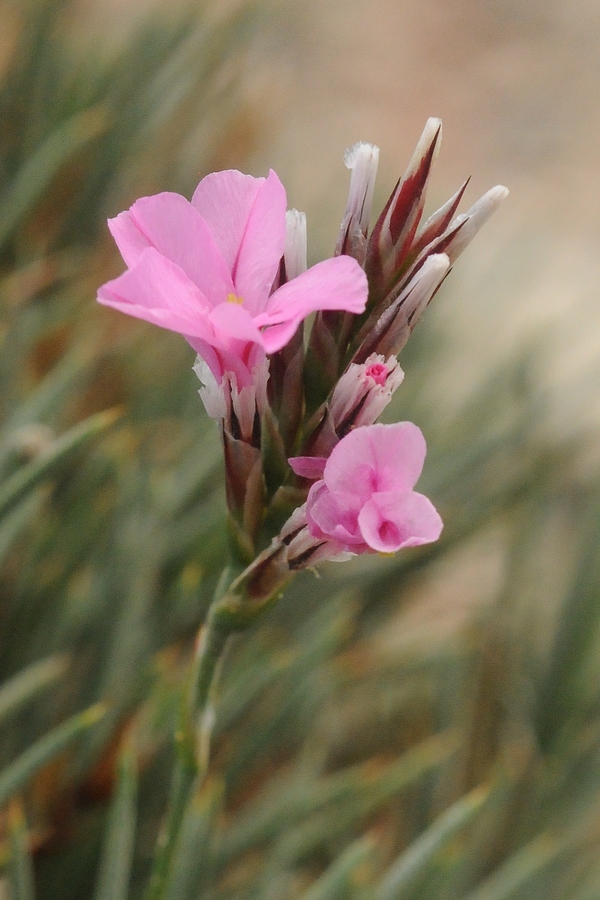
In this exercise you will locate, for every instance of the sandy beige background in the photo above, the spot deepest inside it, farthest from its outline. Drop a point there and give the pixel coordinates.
(517, 84)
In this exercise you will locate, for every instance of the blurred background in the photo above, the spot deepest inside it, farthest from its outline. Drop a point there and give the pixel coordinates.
(426, 726)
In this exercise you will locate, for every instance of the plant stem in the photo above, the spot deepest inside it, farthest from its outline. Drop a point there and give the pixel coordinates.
(260, 585)
(191, 763)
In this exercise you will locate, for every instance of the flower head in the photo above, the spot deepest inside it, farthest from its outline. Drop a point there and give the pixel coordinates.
(206, 269)
(365, 500)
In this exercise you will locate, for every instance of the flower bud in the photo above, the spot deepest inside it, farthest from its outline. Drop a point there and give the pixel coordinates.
(362, 159)
(359, 398)
(391, 331)
(396, 227)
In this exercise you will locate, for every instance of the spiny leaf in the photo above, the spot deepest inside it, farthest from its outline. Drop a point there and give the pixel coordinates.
(403, 874)
(338, 881)
(21, 866)
(24, 686)
(115, 864)
(15, 776)
(29, 476)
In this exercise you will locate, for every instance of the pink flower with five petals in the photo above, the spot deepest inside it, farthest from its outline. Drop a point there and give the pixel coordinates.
(364, 501)
(206, 269)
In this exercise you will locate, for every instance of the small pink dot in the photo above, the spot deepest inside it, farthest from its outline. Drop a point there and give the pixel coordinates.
(378, 372)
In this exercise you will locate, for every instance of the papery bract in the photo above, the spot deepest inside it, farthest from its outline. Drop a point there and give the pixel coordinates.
(206, 269)
(365, 500)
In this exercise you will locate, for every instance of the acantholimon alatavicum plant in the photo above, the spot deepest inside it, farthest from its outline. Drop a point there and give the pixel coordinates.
(186, 710)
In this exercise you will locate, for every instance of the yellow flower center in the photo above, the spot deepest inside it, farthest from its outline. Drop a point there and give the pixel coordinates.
(233, 298)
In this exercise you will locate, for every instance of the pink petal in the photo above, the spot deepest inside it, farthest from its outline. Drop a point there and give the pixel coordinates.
(225, 200)
(170, 224)
(308, 466)
(334, 516)
(220, 359)
(158, 291)
(262, 246)
(389, 521)
(277, 336)
(246, 216)
(235, 323)
(377, 458)
(337, 283)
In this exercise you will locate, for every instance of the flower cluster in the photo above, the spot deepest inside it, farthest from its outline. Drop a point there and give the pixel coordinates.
(306, 464)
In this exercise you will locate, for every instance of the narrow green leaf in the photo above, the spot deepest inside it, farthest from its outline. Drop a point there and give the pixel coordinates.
(343, 874)
(15, 776)
(404, 873)
(51, 394)
(338, 800)
(31, 681)
(191, 863)
(117, 854)
(20, 871)
(17, 521)
(29, 476)
(510, 880)
(575, 639)
(38, 171)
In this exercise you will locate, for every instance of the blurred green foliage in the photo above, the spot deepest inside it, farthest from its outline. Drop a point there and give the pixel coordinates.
(426, 726)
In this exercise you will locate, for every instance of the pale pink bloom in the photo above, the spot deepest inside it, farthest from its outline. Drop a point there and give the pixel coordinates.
(365, 501)
(206, 269)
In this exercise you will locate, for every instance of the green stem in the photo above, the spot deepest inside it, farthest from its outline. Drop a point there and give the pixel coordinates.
(193, 747)
(254, 591)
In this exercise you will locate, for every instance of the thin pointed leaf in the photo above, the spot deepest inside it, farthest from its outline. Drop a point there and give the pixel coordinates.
(41, 168)
(15, 776)
(29, 476)
(191, 869)
(405, 872)
(338, 881)
(24, 686)
(511, 879)
(117, 854)
(20, 871)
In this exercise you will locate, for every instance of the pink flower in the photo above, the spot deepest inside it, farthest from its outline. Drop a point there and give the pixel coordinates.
(365, 500)
(206, 269)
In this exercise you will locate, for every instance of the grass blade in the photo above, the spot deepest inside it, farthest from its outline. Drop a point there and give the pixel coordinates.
(344, 873)
(40, 169)
(31, 681)
(405, 872)
(15, 776)
(191, 865)
(29, 476)
(21, 866)
(115, 865)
